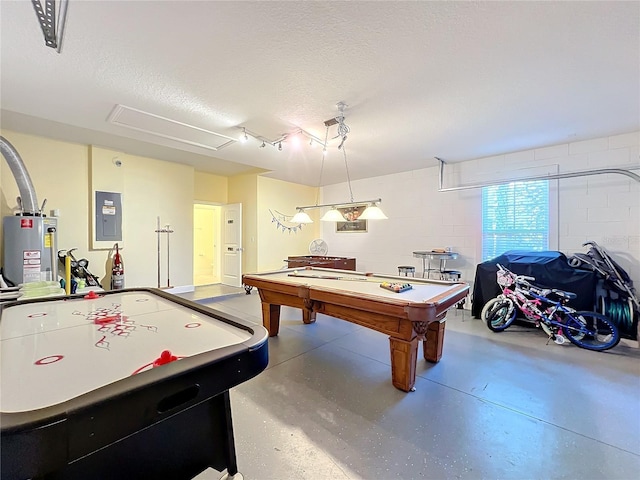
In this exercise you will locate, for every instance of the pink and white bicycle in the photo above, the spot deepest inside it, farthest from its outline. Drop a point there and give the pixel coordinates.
(548, 309)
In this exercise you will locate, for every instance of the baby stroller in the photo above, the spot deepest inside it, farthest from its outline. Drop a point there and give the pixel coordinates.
(79, 268)
(618, 299)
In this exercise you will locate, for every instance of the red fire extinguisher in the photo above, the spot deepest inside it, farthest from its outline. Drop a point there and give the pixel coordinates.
(117, 271)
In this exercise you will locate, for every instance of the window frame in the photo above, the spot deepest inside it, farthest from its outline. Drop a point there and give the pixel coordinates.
(553, 229)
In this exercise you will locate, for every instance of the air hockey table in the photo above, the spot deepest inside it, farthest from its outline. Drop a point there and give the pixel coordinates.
(408, 317)
(131, 384)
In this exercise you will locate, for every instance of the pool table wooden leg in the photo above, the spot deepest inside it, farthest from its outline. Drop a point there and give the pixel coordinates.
(271, 318)
(403, 363)
(432, 346)
(308, 314)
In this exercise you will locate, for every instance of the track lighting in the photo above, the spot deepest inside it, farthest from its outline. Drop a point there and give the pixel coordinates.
(371, 212)
(295, 137)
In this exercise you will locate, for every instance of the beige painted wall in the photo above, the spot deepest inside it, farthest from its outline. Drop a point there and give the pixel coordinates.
(155, 188)
(210, 188)
(275, 245)
(60, 172)
(264, 246)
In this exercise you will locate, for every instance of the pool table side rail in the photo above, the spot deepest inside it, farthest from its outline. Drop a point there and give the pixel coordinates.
(448, 298)
(363, 301)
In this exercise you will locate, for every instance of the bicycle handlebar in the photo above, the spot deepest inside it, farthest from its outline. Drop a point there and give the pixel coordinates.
(518, 278)
(541, 293)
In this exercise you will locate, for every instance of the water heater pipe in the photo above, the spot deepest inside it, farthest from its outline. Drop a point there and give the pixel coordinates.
(28, 197)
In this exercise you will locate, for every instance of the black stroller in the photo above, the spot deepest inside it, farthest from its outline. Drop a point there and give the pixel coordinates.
(79, 268)
(617, 296)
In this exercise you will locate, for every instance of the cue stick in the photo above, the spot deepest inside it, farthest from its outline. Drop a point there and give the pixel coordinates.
(168, 277)
(158, 232)
(331, 277)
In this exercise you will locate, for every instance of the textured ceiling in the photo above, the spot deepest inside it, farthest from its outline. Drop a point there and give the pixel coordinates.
(457, 80)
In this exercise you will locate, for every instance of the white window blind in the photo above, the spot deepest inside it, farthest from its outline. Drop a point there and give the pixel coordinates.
(515, 216)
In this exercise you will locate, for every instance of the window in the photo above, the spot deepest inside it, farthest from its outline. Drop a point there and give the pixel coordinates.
(515, 216)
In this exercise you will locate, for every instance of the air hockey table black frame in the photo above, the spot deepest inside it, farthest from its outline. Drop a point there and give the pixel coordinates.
(172, 422)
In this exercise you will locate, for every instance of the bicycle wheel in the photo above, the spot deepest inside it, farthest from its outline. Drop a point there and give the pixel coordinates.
(590, 330)
(498, 313)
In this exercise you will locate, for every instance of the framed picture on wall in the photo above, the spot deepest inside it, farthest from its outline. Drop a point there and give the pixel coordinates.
(353, 224)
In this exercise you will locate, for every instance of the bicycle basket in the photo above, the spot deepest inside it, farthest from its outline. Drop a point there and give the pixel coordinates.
(505, 278)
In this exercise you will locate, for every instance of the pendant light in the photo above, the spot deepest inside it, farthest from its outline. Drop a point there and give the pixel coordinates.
(333, 215)
(373, 212)
(301, 217)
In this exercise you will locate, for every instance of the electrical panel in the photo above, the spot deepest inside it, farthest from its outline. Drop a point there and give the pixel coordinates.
(108, 216)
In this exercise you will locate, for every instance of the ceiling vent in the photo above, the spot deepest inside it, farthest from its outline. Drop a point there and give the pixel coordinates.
(166, 128)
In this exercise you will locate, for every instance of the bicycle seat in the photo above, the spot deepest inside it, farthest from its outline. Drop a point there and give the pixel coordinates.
(540, 291)
(565, 295)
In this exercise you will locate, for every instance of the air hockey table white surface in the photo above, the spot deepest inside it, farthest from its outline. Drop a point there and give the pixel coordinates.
(54, 351)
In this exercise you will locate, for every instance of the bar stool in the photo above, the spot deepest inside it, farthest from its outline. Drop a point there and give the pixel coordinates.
(452, 275)
(406, 270)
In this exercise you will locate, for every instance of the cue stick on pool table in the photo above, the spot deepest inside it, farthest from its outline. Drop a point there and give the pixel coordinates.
(336, 277)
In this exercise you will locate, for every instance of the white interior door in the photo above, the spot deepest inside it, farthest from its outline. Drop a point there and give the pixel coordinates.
(232, 244)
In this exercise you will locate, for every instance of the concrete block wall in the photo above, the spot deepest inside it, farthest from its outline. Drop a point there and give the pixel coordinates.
(603, 208)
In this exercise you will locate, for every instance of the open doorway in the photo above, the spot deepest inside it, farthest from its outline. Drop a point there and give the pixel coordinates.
(206, 244)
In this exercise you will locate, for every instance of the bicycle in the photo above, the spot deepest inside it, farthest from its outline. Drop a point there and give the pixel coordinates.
(588, 330)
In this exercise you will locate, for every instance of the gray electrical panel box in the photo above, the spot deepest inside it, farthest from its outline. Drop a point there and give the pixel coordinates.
(109, 216)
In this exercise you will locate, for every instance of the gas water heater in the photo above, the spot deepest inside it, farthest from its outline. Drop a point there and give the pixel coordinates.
(30, 253)
(29, 249)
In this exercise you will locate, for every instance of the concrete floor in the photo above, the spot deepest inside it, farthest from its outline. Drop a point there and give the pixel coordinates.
(497, 406)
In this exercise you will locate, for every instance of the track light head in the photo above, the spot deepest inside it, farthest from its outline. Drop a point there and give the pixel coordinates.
(262, 145)
(280, 146)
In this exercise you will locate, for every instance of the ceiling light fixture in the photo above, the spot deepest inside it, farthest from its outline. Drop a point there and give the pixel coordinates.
(292, 136)
(244, 138)
(333, 215)
(371, 212)
(280, 146)
(301, 217)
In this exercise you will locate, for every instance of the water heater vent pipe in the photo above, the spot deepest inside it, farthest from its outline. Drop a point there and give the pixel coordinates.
(28, 199)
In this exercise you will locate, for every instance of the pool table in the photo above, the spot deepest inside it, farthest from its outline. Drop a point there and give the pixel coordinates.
(132, 383)
(408, 317)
